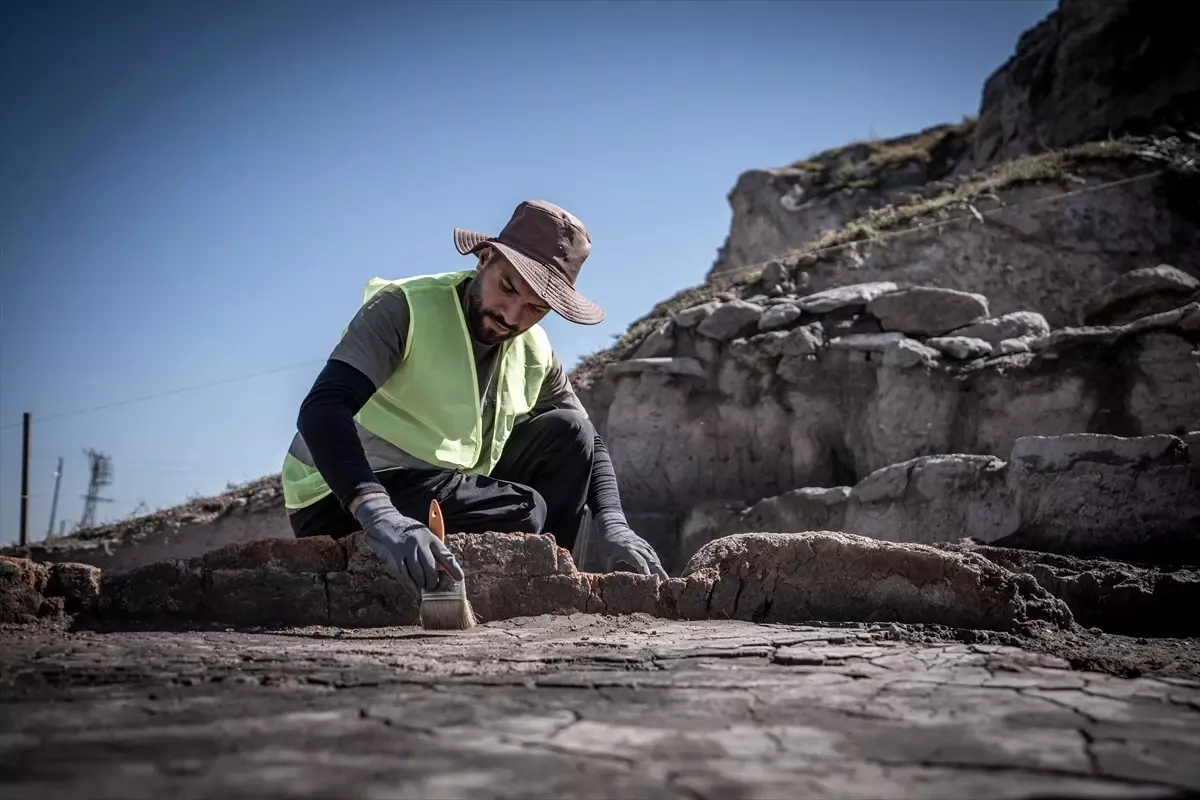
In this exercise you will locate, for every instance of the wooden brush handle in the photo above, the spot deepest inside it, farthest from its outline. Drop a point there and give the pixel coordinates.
(437, 524)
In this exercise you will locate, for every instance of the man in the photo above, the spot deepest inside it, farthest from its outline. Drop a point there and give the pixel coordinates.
(444, 386)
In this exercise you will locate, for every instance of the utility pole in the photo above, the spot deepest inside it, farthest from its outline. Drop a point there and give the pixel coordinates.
(54, 503)
(26, 422)
(100, 475)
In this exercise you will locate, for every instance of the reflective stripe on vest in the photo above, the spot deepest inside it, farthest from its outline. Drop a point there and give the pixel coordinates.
(430, 406)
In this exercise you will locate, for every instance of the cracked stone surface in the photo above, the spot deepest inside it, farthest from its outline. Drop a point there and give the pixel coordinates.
(579, 706)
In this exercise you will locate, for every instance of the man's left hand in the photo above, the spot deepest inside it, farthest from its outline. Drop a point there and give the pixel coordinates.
(622, 544)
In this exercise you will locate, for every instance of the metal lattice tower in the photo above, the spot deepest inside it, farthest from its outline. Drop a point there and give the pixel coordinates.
(100, 475)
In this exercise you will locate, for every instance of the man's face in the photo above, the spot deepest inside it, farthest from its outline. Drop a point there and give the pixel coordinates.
(500, 303)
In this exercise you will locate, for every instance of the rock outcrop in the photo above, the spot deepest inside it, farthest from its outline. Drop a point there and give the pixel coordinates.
(1040, 233)
(1093, 69)
(319, 581)
(776, 210)
(1135, 499)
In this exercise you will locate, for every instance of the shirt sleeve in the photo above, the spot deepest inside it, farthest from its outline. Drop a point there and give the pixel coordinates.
(326, 421)
(557, 392)
(375, 338)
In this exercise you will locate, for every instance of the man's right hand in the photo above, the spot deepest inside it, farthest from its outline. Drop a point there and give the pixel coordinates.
(405, 545)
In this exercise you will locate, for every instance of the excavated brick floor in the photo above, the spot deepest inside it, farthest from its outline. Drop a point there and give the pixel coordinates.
(578, 707)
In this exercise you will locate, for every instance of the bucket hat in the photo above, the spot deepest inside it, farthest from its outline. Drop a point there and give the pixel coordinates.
(547, 245)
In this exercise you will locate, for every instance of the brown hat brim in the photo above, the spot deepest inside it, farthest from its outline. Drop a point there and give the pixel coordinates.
(556, 292)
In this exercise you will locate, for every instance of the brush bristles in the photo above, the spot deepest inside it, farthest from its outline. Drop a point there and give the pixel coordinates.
(447, 611)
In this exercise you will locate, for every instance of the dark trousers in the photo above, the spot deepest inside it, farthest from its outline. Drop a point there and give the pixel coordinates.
(540, 485)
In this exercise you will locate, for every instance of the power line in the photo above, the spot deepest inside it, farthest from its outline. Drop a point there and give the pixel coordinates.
(170, 392)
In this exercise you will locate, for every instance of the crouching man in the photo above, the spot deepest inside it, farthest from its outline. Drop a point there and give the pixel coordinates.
(444, 386)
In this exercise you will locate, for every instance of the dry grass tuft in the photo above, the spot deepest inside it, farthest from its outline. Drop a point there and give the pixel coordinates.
(1041, 168)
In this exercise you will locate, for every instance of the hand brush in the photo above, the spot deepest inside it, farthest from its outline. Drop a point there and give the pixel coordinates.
(446, 609)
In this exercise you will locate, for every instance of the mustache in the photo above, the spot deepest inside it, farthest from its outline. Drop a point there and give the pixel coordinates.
(499, 323)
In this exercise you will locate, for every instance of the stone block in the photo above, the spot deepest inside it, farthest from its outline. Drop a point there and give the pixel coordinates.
(265, 596)
(691, 317)
(1016, 325)
(779, 316)
(371, 599)
(313, 554)
(905, 353)
(21, 585)
(858, 294)
(961, 347)
(625, 593)
(496, 598)
(730, 320)
(682, 366)
(77, 584)
(1139, 293)
(829, 576)
(171, 587)
(927, 310)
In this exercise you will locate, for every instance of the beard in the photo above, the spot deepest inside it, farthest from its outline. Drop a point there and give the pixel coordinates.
(476, 314)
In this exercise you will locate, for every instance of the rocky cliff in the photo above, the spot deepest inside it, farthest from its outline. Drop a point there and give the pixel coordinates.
(1092, 71)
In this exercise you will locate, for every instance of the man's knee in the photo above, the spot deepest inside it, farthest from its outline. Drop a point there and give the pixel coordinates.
(567, 425)
(537, 515)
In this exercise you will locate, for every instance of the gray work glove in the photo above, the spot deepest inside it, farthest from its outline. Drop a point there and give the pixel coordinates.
(619, 543)
(405, 545)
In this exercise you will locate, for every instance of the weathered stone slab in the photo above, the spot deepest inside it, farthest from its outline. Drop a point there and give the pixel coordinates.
(905, 353)
(927, 310)
(660, 342)
(1139, 293)
(683, 366)
(691, 317)
(1015, 325)
(866, 342)
(858, 294)
(779, 316)
(730, 320)
(824, 575)
(961, 347)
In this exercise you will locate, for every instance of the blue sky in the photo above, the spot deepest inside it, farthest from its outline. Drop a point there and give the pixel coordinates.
(192, 192)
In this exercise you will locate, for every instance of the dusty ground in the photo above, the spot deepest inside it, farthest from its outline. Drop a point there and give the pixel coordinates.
(589, 706)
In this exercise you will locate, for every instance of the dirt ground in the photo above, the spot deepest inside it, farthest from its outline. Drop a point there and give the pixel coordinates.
(595, 706)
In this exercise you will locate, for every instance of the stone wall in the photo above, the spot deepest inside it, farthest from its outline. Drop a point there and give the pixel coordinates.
(745, 398)
(817, 576)
(319, 581)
